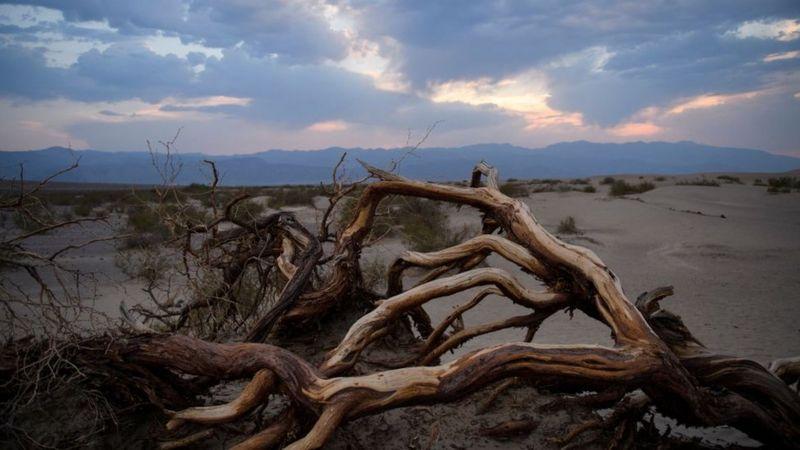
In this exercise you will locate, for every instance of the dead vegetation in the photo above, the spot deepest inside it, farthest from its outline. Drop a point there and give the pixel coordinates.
(698, 182)
(621, 188)
(254, 283)
(783, 185)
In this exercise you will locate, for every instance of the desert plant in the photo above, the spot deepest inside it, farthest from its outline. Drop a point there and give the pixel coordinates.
(424, 225)
(247, 210)
(660, 179)
(83, 209)
(33, 217)
(783, 185)
(620, 188)
(374, 272)
(145, 227)
(149, 264)
(514, 189)
(589, 189)
(293, 195)
(730, 179)
(568, 226)
(698, 182)
(608, 180)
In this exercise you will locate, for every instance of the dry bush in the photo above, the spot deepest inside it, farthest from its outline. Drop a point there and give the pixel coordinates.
(698, 182)
(568, 226)
(293, 196)
(783, 185)
(514, 189)
(424, 225)
(730, 179)
(608, 180)
(621, 187)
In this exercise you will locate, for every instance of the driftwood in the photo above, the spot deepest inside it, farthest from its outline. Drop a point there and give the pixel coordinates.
(655, 362)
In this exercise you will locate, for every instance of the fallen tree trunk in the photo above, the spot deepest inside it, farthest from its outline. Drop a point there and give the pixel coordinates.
(654, 361)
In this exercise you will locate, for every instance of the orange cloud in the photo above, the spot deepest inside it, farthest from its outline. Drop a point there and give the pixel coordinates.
(633, 129)
(782, 56)
(710, 101)
(524, 94)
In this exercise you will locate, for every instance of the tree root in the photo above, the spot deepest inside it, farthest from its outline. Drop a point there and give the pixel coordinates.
(654, 362)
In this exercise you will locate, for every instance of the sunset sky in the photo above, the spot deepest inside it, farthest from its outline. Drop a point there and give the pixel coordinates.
(244, 76)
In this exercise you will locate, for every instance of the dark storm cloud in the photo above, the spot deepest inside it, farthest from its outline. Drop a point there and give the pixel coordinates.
(293, 95)
(119, 73)
(660, 49)
(289, 29)
(605, 59)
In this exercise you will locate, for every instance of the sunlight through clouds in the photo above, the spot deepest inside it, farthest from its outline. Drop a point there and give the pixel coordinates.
(781, 30)
(316, 69)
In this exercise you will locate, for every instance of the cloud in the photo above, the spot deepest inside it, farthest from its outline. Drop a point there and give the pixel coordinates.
(710, 101)
(524, 94)
(782, 56)
(361, 71)
(295, 30)
(636, 129)
(781, 30)
(328, 126)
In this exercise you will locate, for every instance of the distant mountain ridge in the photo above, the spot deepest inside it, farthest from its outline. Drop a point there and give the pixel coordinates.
(275, 167)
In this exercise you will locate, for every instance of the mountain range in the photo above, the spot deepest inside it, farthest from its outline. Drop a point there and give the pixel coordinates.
(276, 167)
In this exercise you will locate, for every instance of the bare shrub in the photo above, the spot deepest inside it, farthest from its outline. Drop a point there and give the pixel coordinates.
(424, 225)
(568, 226)
(730, 179)
(608, 180)
(514, 189)
(621, 187)
(698, 182)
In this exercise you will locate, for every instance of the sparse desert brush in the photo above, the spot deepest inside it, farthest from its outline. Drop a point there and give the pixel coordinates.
(698, 182)
(424, 225)
(83, 209)
(589, 189)
(247, 210)
(145, 227)
(620, 188)
(579, 181)
(150, 264)
(539, 188)
(374, 271)
(608, 180)
(33, 217)
(514, 189)
(783, 185)
(730, 179)
(660, 178)
(759, 182)
(568, 226)
(293, 196)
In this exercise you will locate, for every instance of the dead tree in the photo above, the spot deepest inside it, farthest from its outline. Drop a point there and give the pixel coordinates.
(654, 363)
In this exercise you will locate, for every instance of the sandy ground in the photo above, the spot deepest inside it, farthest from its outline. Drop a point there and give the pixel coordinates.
(736, 278)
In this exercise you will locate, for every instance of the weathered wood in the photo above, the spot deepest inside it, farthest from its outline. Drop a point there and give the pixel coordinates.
(655, 360)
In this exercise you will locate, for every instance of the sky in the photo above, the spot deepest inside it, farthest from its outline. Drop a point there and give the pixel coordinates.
(244, 76)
